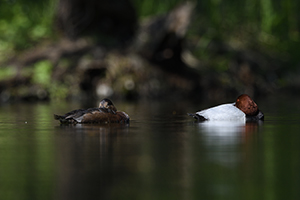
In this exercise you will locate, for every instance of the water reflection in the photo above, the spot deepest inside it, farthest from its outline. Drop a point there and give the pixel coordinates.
(224, 138)
(227, 132)
(222, 128)
(89, 154)
(161, 154)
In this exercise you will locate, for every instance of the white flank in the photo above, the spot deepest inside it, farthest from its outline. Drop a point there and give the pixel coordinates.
(223, 112)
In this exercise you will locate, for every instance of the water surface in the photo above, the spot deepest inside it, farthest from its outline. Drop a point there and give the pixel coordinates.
(161, 154)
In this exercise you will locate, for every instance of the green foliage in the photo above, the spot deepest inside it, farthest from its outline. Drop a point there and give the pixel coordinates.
(262, 25)
(59, 91)
(7, 73)
(42, 73)
(23, 23)
(153, 7)
(277, 18)
(267, 26)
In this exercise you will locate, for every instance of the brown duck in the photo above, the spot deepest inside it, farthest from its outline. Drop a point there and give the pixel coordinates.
(106, 113)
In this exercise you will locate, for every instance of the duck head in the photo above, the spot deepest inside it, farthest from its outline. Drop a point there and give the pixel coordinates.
(247, 105)
(106, 103)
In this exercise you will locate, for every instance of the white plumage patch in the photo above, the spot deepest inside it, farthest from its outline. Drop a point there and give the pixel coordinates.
(223, 112)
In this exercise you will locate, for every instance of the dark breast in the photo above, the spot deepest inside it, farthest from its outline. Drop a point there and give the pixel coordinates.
(259, 116)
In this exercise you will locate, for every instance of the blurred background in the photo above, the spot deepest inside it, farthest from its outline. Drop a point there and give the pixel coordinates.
(86, 49)
(157, 60)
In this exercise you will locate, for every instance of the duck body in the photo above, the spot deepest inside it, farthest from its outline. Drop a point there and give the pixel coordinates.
(244, 109)
(222, 112)
(106, 113)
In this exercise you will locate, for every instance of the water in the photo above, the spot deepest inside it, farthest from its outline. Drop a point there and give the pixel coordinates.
(162, 154)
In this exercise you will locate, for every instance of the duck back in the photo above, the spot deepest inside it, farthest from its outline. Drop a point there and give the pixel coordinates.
(223, 112)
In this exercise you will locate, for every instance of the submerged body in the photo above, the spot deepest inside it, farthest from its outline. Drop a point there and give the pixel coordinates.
(106, 113)
(244, 109)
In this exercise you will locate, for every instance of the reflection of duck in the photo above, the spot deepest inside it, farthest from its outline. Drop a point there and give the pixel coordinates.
(243, 109)
(106, 113)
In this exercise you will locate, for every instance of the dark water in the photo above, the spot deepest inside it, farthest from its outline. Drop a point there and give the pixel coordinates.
(162, 154)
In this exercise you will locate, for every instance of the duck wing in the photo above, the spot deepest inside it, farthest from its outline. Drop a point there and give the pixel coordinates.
(75, 116)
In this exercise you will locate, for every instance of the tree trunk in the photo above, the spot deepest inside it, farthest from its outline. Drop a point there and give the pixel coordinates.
(77, 18)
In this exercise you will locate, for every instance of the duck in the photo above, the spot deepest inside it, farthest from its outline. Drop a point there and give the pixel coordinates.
(105, 113)
(243, 109)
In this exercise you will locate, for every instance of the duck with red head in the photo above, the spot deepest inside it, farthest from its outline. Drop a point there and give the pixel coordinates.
(244, 109)
(106, 113)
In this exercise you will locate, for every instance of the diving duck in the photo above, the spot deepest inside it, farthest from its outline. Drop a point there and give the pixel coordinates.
(243, 109)
(106, 113)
